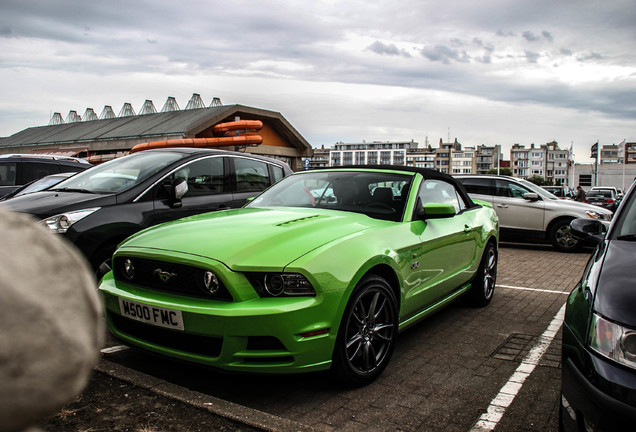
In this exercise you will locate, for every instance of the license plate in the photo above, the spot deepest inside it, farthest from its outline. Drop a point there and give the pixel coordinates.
(154, 315)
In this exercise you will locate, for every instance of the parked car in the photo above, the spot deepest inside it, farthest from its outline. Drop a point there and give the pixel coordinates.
(100, 207)
(38, 185)
(16, 170)
(528, 212)
(299, 281)
(563, 192)
(599, 330)
(616, 190)
(606, 198)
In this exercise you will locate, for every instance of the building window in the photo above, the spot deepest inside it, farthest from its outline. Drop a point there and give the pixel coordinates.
(585, 179)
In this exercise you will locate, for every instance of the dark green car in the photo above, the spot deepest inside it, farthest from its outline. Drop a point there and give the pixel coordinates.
(321, 271)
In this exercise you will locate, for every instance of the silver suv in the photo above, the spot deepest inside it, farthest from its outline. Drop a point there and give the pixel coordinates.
(527, 211)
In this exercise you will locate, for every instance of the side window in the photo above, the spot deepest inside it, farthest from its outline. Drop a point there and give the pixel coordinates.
(436, 191)
(278, 172)
(251, 175)
(508, 189)
(204, 176)
(482, 186)
(7, 174)
(34, 171)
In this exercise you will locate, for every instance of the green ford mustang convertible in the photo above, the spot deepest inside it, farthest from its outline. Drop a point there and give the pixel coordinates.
(321, 271)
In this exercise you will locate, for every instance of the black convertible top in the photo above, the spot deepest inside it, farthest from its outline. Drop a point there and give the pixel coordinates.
(427, 173)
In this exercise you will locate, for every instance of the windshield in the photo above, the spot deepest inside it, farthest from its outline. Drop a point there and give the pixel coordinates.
(119, 174)
(626, 222)
(43, 183)
(380, 195)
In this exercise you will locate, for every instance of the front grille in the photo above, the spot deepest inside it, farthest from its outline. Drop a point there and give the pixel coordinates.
(169, 277)
(178, 340)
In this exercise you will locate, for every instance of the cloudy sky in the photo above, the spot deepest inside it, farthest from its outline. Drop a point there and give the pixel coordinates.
(488, 72)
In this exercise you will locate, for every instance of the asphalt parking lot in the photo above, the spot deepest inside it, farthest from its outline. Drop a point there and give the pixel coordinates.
(463, 369)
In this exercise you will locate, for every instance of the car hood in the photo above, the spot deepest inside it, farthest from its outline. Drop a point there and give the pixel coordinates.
(254, 239)
(48, 203)
(616, 289)
(575, 206)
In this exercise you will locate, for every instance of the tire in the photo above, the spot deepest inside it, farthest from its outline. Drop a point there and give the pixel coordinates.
(483, 285)
(367, 333)
(562, 239)
(101, 262)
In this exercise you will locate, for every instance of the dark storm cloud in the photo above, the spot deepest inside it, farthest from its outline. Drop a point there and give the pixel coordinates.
(445, 54)
(530, 37)
(589, 56)
(387, 49)
(207, 37)
(531, 57)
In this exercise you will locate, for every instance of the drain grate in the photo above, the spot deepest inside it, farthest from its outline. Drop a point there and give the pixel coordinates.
(518, 345)
(515, 348)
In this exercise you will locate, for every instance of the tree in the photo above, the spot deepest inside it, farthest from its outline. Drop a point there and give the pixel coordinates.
(538, 180)
(502, 171)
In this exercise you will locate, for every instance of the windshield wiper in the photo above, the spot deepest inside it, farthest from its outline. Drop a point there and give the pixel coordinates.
(72, 190)
(627, 237)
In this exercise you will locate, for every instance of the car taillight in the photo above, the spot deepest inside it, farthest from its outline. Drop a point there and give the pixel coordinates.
(609, 201)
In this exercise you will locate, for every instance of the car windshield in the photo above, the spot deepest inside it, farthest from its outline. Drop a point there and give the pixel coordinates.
(43, 183)
(380, 195)
(119, 174)
(625, 225)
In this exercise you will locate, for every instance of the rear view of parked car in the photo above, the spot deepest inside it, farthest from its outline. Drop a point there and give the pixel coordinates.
(17, 170)
(527, 212)
(100, 207)
(606, 198)
(599, 330)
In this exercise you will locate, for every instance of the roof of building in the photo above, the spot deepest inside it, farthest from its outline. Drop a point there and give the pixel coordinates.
(183, 124)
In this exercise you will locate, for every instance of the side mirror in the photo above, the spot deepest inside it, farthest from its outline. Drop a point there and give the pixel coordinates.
(591, 229)
(531, 196)
(178, 189)
(434, 210)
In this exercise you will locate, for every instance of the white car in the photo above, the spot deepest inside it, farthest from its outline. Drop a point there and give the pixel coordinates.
(528, 212)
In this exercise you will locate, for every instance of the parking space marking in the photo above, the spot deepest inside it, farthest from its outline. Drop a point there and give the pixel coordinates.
(533, 289)
(497, 408)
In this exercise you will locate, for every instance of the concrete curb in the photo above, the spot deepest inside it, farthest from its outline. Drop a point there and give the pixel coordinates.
(228, 410)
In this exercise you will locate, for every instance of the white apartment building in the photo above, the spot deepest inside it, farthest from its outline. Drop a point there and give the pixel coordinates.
(464, 161)
(370, 153)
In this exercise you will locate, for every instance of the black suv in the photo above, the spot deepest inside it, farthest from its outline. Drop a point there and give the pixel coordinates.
(100, 207)
(19, 169)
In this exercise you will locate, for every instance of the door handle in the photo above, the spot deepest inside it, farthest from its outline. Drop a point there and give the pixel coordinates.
(502, 205)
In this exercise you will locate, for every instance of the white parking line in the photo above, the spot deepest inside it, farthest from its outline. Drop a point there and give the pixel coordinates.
(489, 420)
(533, 289)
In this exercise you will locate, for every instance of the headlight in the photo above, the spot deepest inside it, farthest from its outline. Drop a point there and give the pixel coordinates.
(600, 216)
(62, 222)
(613, 341)
(281, 284)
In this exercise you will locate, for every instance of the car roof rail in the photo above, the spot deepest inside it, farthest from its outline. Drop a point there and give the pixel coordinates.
(44, 156)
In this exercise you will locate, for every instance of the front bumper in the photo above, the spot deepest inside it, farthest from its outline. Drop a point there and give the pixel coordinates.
(262, 335)
(599, 396)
